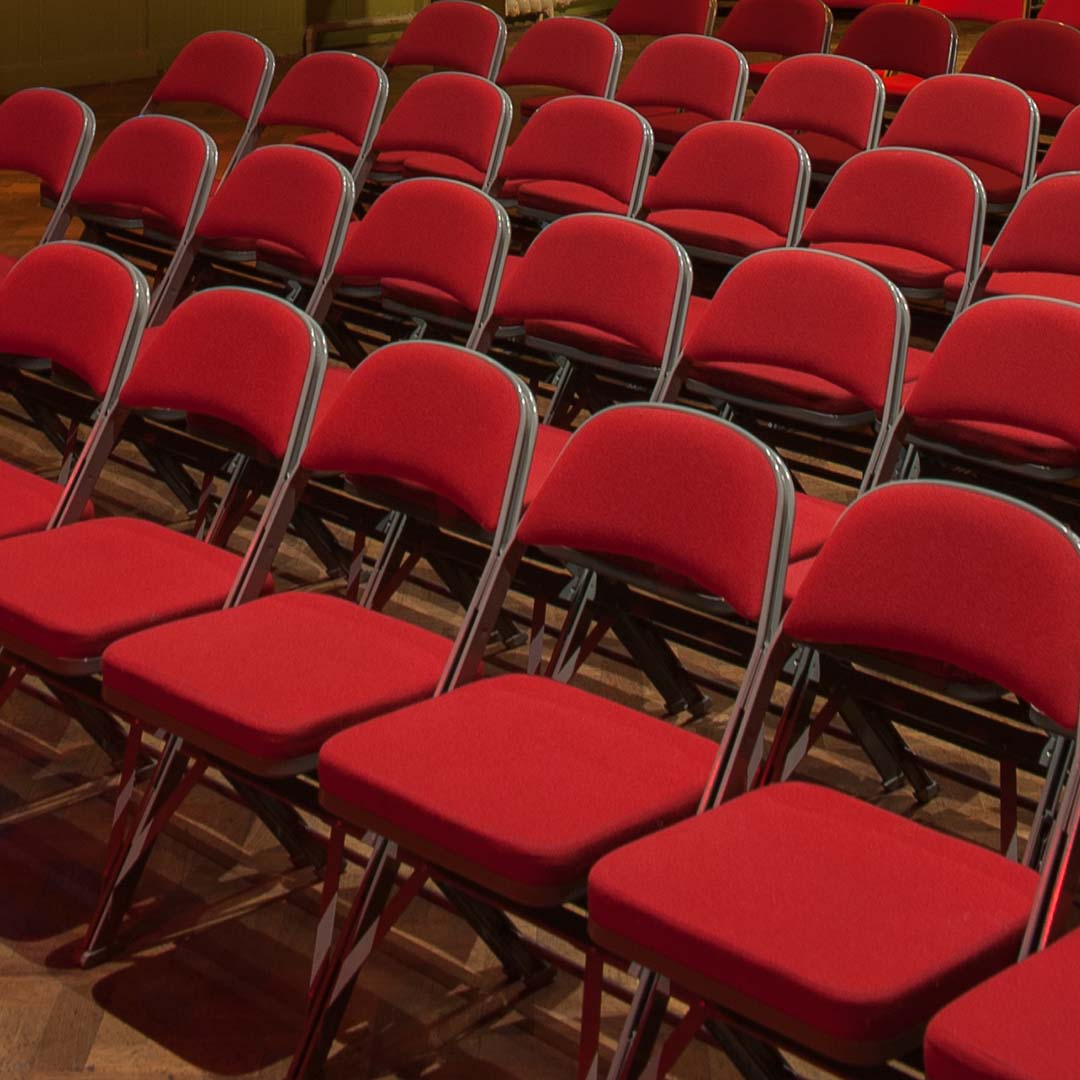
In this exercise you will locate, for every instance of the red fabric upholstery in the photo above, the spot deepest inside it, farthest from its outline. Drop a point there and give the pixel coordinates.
(221, 68)
(787, 27)
(40, 133)
(152, 163)
(826, 153)
(878, 585)
(713, 528)
(231, 355)
(585, 141)
(670, 127)
(28, 501)
(1065, 11)
(453, 35)
(282, 194)
(550, 443)
(567, 197)
(471, 772)
(1053, 111)
(979, 10)
(833, 915)
(754, 174)
(1011, 1026)
(335, 146)
(457, 440)
(1064, 152)
(907, 268)
(672, 17)
(566, 277)
(453, 115)
(1033, 283)
(424, 163)
(70, 592)
(233, 674)
(838, 326)
(897, 85)
(796, 575)
(716, 230)
(1035, 239)
(898, 37)
(569, 53)
(814, 521)
(334, 381)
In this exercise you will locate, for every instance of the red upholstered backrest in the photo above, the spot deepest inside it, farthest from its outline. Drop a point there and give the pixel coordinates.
(331, 91)
(735, 167)
(598, 270)
(909, 198)
(430, 416)
(446, 113)
(70, 303)
(586, 140)
(234, 355)
(155, 162)
(1064, 152)
(827, 94)
(954, 575)
(787, 27)
(967, 116)
(40, 133)
(686, 71)
(678, 490)
(461, 36)
(990, 11)
(807, 311)
(670, 17)
(221, 68)
(1009, 360)
(435, 232)
(285, 194)
(575, 54)
(1036, 54)
(900, 37)
(1041, 232)
(1064, 11)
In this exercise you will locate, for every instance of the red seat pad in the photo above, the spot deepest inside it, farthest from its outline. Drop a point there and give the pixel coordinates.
(391, 161)
(519, 781)
(1034, 283)
(717, 230)
(1001, 185)
(27, 501)
(759, 70)
(780, 385)
(827, 153)
(1052, 110)
(954, 285)
(529, 105)
(1004, 441)
(567, 197)
(670, 127)
(274, 678)
(827, 914)
(796, 575)
(588, 339)
(337, 146)
(71, 592)
(814, 520)
(430, 164)
(549, 445)
(1012, 1027)
(333, 383)
(906, 268)
(915, 363)
(898, 86)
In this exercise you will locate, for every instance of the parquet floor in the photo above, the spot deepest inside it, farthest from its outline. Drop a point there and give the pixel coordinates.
(227, 1001)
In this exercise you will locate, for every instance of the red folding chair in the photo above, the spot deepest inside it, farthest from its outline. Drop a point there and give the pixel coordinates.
(673, 17)
(987, 11)
(1064, 152)
(780, 27)
(1063, 11)
(534, 779)
(800, 919)
(457, 35)
(683, 81)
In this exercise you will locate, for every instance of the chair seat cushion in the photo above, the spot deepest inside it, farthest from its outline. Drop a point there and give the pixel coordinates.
(266, 683)
(796, 575)
(589, 340)
(826, 152)
(425, 163)
(550, 442)
(898, 86)
(1002, 186)
(337, 146)
(827, 918)
(1011, 1027)
(759, 70)
(567, 197)
(1034, 283)
(954, 285)
(529, 105)
(518, 782)
(1052, 110)
(1005, 441)
(71, 592)
(670, 127)
(815, 519)
(27, 501)
(717, 230)
(908, 269)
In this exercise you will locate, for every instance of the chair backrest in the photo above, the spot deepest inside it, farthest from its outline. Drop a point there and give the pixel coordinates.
(670, 17)
(1063, 11)
(787, 27)
(586, 140)
(620, 276)
(988, 11)
(1038, 55)
(970, 116)
(914, 199)
(78, 305)
(573, 54)
(736, 167)
(458, 35)
(465, 116)
(1039, 234)
(1064, 152)
(155, 163)
(339, 92)
(829, 95)
(688, 71)
(976, 561)
(902, 37)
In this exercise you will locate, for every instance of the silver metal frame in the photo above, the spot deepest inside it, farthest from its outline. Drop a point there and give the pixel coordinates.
(497, 53)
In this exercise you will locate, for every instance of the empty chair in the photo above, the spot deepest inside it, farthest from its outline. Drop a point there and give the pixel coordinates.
(445, 124)
(230, 70)
(847, 881)
(781, 27)
(578, 154)
(832, 105)
(46, 133)
(987, 11)
(915, 215)
(987, 124)
(1039, 56)
(671, 17)
(458, 35)
(1063, 11)
(1064, 152)
(685, 80)
(730, 189)
(904, 43)
(340, 94)
(577, 56)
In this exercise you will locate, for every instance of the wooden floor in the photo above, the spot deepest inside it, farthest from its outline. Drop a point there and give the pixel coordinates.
(227, 1001)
